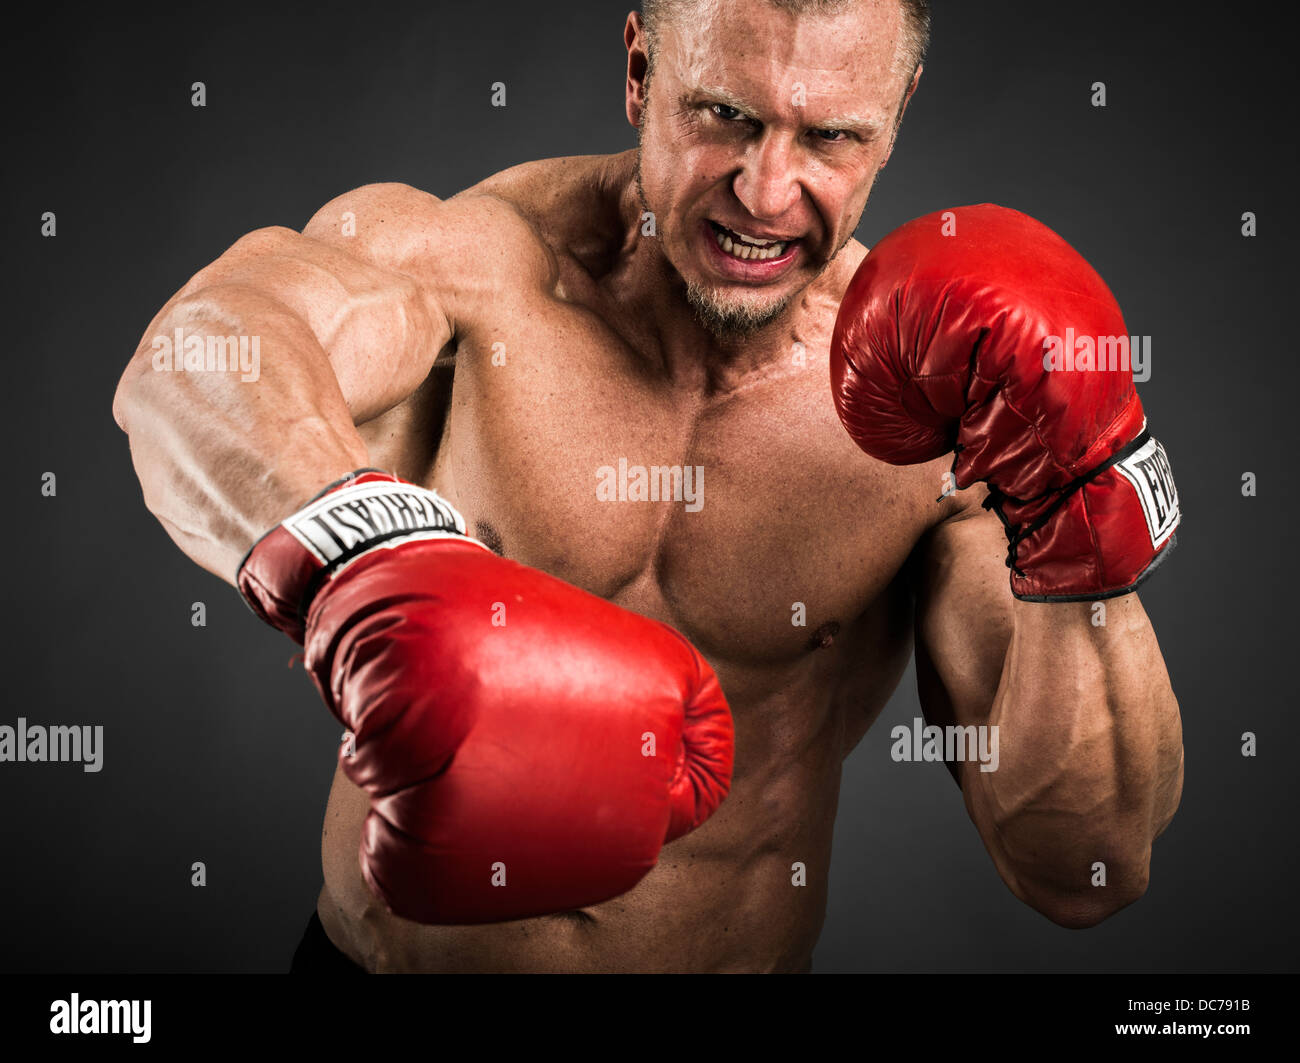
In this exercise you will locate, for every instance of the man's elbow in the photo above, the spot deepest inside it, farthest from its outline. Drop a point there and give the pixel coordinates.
(131, 397)
(1079, 909)
(122, 397)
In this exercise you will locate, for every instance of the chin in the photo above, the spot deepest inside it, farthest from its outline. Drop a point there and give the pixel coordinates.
(732, 319)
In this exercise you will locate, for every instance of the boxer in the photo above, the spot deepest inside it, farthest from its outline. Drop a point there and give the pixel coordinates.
(460, 408)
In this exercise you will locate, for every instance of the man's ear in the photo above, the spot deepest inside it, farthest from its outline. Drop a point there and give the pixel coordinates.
(907, 98)
(638, 63)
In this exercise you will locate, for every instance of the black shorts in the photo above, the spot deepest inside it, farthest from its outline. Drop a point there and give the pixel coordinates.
(317, 954)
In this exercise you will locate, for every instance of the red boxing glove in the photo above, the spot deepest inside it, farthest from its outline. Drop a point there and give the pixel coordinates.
(527, 747)
(944, 342)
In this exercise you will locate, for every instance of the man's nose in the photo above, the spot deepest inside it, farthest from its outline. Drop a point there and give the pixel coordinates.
(768, 182)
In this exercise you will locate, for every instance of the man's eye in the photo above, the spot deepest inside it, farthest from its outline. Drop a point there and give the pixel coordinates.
(829, 135)
(726, 111)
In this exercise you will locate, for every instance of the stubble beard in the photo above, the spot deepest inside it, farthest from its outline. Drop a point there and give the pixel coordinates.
(727, 321)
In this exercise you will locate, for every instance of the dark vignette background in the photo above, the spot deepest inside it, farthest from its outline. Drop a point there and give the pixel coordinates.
(217, 751)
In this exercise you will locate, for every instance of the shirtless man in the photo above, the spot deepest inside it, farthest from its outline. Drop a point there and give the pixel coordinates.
(504, 345)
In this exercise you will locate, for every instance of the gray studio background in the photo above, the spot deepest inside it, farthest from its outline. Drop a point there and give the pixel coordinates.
(216, 750)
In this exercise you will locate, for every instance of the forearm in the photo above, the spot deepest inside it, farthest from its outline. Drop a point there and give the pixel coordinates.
(1090, 759)
(222, 455)
(221, 458)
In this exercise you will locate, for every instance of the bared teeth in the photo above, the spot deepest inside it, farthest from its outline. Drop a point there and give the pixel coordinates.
(749, 248)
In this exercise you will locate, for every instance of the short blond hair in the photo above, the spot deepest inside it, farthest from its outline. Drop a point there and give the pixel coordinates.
(916, 13)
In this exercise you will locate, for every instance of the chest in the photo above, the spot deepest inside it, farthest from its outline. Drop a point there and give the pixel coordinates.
(750, 522)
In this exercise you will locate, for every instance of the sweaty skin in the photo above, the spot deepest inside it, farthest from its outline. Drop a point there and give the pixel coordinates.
(504, 345)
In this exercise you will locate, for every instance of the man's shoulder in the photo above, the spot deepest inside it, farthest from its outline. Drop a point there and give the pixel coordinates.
(570, 201)
(400, 226)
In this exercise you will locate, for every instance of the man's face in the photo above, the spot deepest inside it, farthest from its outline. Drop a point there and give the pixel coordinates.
(760, 137)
